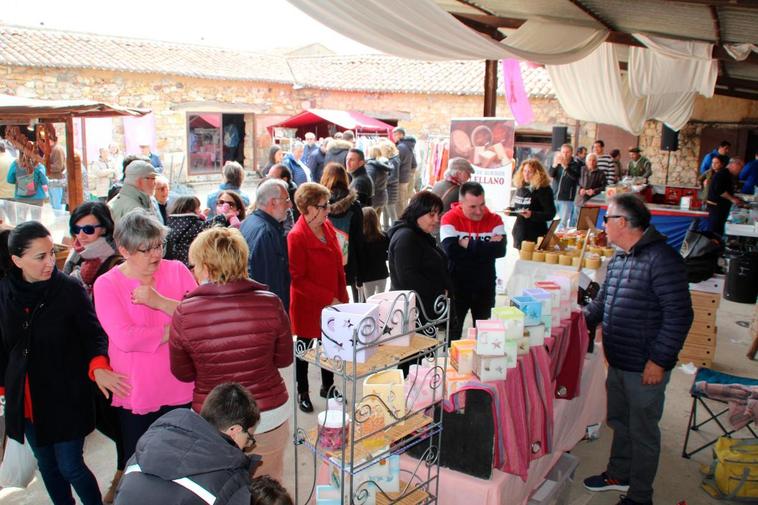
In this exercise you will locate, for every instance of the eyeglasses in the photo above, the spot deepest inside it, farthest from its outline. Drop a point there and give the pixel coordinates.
(155, 247)
(607, 217)
(88, 229)
(287, 199)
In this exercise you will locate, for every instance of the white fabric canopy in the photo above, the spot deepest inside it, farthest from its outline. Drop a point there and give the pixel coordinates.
(667, 66)
(593, 90)
(420, 29)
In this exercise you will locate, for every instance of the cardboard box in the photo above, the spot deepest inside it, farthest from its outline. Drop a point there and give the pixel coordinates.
(340, 327)
(531, 308)
(493, 368)
(573, 277)
(546, 299)
(462, 355)
(523, 345)
(490, 337)
(389, 386)
(565, 285)
(536, 334)
(513, 319)
(471, 334)
(395, 308)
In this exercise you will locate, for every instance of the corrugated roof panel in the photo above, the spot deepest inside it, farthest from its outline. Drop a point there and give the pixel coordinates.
(739, 25)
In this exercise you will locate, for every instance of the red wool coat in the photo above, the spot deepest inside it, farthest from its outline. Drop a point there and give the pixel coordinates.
(317, 277)
(235, 332)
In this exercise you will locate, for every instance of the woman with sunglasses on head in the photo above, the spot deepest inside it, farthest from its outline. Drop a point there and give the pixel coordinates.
(233, 329)
(317, 279)
(135, 302)
(51, 349)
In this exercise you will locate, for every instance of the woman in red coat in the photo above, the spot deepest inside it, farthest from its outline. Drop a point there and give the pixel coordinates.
(318, 279)
(232, 329)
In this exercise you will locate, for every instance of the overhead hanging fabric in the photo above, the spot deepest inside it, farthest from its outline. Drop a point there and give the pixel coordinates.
(515, 93)
(671, 66)
(594, 90)
(422, 30)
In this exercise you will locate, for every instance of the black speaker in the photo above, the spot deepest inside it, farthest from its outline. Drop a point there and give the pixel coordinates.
(560, 137)
(669, 139)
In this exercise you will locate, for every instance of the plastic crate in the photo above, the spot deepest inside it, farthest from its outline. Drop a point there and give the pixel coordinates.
(556, 487)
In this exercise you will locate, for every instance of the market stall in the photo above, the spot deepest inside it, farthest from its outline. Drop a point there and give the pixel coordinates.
(41, 114)
(326, 122)
(670, 220)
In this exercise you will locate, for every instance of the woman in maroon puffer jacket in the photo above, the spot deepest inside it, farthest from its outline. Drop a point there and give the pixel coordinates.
(232, 329)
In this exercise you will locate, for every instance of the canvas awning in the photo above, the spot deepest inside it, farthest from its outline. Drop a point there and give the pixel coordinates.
(309, 120)
(16, 107)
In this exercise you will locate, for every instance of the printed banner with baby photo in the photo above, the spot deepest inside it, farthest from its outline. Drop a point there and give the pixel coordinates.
(487, 143)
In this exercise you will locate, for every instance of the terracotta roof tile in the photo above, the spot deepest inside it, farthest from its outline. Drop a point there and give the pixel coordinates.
(373, 73)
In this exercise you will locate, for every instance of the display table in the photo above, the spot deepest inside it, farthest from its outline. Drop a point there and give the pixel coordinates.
(571, 418)
(526, 273)
(741, 230)
(670, 220)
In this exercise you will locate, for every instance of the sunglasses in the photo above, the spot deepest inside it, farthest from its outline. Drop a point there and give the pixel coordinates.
(222, 202)
(607, 217)
(88, 229)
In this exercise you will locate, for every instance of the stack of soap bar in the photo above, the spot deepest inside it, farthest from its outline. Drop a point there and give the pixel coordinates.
(494, 368)
(565, 285)
(535, 334)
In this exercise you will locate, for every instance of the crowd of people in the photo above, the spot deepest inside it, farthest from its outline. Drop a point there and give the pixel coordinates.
(183, 317)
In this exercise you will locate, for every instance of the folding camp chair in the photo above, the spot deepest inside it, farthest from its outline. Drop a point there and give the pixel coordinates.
(715, 408)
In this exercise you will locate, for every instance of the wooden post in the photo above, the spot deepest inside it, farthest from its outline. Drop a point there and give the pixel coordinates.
(83, 123)
(73, 172)
(490, 88)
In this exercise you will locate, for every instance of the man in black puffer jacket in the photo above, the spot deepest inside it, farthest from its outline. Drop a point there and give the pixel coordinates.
(646, 311)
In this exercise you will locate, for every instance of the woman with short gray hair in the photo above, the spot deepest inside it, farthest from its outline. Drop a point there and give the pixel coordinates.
(134, 303)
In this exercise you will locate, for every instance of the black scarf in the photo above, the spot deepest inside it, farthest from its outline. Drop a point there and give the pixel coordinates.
(28, 295)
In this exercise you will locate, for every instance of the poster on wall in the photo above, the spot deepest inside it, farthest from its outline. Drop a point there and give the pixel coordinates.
(487, 143)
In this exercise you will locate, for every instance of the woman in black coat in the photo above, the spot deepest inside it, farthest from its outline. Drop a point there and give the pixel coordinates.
(533, 204)
(51, 349)
(416, 261)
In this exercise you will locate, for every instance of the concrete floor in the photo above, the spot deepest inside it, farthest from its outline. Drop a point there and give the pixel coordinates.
(677, 481)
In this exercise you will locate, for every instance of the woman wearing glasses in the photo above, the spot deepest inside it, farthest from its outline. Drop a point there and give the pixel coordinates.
(51, 349)
(233, 329)
(135, 302)
(318, 279)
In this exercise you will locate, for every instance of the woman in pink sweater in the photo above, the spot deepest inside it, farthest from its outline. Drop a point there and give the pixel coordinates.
(134, 303)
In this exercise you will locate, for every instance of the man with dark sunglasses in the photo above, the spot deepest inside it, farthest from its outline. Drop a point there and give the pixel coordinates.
(196, 459)
(646, 312)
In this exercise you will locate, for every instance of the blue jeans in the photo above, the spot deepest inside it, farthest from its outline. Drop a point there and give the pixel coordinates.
(62, 466)
(566, 213)
(56, 197)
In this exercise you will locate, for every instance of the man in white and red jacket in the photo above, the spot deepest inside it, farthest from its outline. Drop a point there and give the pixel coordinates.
(472, 237)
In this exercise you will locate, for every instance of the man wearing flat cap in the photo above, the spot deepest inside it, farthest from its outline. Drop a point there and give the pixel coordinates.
(639, 166)
(139, 185)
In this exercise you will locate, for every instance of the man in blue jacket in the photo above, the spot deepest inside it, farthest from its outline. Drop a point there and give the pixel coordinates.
(268, 262)
(721, 152)
(646, 311)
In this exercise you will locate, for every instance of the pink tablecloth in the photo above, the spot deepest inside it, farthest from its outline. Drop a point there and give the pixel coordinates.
(571, 419)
